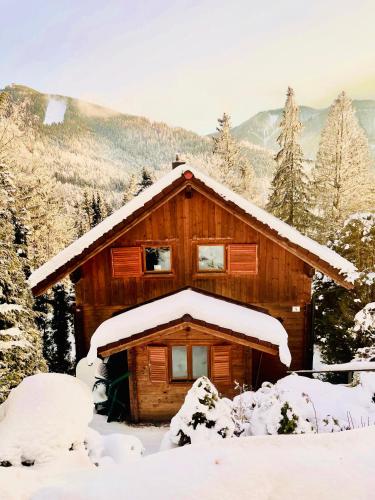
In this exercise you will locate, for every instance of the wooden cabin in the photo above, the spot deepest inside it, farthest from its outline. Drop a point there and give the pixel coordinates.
(190, 279)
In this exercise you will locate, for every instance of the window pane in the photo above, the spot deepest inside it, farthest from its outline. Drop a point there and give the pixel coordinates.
(179, 362)
(211, 257)
(158, 259)
(200, 368)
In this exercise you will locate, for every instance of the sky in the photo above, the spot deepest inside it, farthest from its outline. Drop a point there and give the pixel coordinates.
(186, 62)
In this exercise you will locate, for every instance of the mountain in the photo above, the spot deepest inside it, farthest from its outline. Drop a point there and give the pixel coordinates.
(262, 128)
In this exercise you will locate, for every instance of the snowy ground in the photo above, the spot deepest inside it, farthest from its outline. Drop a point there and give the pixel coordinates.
(309, 467)
(150, 435)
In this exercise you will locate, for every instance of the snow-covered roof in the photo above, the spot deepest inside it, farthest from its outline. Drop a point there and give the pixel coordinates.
(200, 306)
(324, 253)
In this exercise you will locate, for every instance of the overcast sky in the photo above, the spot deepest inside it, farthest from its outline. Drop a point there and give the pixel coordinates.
(185, 62)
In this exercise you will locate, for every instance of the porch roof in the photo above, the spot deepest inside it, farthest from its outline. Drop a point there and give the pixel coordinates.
(237, 322)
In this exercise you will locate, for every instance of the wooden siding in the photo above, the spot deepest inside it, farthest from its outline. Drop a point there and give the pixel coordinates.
(152, 401)
(183, 222)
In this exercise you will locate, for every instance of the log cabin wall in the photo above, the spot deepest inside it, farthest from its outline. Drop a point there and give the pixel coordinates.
(182, 222)
(159, 402)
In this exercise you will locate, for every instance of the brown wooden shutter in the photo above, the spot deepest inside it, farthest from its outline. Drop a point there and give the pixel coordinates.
(242, 259)
(126, 262)
(158, 363)
(221, 363)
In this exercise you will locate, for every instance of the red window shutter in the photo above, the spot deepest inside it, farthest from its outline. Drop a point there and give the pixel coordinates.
(126, 262)
(243, 259)
(221, 363)
(157, 362)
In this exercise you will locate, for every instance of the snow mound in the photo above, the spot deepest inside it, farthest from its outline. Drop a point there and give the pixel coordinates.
(307, 466)
(45, 415)
(112, 448)
(201, 307)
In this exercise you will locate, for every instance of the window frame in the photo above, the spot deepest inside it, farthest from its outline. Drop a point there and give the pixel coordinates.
(212, 272)
(147, 273)
(189, 354)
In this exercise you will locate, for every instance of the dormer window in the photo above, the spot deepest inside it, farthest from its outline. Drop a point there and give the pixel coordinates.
(157, 259)
(211, 258)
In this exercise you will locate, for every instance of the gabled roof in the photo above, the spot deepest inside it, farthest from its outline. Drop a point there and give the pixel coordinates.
(192, 306)
(69, 259)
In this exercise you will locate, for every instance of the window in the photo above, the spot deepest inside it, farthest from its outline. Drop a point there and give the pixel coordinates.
(211, 258)
(199, 361)
(157, 259)
(179, 362)
(189, 362)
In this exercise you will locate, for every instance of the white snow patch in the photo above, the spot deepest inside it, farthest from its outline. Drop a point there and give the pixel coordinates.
(284, 230)
(201, 307)
(14, 331)
(5, 308)
(55, 111)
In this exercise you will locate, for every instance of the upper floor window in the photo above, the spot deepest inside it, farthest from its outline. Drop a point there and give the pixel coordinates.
(211, 258)
(157, 259)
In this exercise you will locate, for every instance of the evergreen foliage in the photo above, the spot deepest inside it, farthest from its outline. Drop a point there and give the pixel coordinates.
(145, 182)
(235, 169)
(336, 307)
(130, 189)
(60, 356)
(289, 200)
(341, 175)
(20, 341)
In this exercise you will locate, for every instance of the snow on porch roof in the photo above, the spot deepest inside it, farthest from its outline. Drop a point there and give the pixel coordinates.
(76, 248)
(200, 306)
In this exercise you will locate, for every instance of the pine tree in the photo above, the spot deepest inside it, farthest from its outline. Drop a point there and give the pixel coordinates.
(20, 342)
(60, 359)
(341, 174)
(235, 170)
(336, 307)
(289, 198)
(130, 189)
(97, 209)
(145, 182)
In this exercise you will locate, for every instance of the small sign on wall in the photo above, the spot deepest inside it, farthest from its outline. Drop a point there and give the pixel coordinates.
(296, 309)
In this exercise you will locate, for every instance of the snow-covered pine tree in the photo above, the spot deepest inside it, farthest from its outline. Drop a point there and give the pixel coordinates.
(131, 189)
(289, 199)
(337, 307)
(203, 416)
(61, 325)
(341, 174)
(20, 341)
(235, 170)
(145, 182)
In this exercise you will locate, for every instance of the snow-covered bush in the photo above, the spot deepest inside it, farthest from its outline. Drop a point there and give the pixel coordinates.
(268, 411)
(203, 416)
(297, 405)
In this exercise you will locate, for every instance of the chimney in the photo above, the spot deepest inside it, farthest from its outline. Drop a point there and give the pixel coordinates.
(177, 162)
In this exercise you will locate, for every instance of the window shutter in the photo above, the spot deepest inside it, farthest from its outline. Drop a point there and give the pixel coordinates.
(242, 259)
(126, 262)
(221, 363)
(157, 362)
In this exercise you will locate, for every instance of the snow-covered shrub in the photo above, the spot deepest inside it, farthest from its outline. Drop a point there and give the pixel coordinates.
(203, 416)
(46, 414)
(270, 411)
